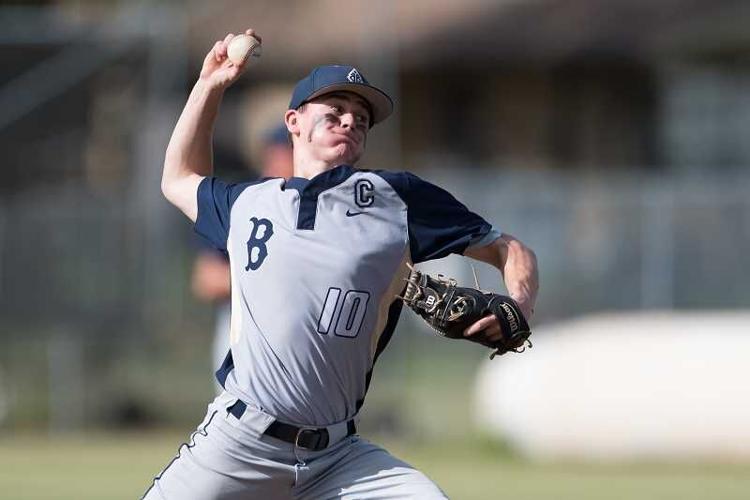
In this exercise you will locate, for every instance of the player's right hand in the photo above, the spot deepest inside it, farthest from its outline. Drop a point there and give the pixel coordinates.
(218, 72)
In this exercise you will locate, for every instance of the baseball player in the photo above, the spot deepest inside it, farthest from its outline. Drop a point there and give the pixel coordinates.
(317, 262)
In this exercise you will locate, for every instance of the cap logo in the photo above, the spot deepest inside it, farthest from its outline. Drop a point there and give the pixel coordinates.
(354, 76)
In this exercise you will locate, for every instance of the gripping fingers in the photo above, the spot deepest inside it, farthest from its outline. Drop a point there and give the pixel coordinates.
(252, 33)
(216, 51)
(220, 47)
(488, 323)
(225, 44)
(212, 54)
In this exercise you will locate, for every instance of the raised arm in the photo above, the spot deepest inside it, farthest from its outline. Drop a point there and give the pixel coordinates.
(189, 154)
(518, 265)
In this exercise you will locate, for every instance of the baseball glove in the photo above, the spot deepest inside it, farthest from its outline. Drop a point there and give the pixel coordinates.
(450, 309)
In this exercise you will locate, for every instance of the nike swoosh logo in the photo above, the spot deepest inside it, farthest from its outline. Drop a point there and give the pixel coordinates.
(349, 213)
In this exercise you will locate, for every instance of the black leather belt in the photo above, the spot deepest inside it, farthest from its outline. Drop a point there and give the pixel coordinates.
(308, 438)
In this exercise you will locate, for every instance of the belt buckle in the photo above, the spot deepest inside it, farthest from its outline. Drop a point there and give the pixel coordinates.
(311, 439)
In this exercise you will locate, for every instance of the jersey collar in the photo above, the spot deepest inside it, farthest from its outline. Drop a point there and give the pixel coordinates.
(309, 190)
(322, 181)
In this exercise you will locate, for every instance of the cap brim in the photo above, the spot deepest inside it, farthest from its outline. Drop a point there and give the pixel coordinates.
(381, 104)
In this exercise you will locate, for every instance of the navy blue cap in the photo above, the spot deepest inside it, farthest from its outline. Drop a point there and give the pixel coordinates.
(327, 79)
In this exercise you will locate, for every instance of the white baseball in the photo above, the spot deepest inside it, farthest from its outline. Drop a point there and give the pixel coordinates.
(241, 47)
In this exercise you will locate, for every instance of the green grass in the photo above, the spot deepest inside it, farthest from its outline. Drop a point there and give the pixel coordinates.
(472, 471)
(121, 467)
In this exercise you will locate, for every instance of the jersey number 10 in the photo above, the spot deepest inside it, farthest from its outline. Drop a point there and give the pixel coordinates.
(343, 316)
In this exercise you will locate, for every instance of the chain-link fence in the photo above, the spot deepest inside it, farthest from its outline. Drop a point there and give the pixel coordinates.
(98, 327)
(97, 323)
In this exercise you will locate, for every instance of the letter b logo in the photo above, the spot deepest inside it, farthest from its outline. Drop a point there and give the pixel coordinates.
(257, 251)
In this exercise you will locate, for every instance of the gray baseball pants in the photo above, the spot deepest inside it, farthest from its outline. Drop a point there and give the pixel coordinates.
(231, 459)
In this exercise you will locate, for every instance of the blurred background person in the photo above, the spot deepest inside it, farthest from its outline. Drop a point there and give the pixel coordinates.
(210, 273)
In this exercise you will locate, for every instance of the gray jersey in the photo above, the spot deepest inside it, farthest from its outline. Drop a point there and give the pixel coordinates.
(316, 266)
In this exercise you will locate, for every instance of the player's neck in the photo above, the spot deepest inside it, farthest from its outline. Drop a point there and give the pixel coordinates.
(308, 168)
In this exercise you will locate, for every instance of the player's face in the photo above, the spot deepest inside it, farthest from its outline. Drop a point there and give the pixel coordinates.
(335, 125)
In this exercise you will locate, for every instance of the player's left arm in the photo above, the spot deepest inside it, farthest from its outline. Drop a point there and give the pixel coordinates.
(440, 225)
(518, 265)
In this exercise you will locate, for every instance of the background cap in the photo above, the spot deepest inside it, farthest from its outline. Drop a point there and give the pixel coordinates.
(326, 79)
(276, 135)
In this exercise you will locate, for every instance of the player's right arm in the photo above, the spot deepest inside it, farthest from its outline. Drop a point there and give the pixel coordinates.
(189, 156)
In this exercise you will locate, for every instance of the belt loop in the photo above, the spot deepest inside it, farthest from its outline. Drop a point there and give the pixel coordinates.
(237, 409)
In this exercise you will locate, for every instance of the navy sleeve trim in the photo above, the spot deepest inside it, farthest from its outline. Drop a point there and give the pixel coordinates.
(215, 200)
(438, 223)
(485, 240)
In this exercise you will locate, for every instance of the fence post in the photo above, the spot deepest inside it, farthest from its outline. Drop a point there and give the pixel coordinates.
(657, 249)
(65, 363)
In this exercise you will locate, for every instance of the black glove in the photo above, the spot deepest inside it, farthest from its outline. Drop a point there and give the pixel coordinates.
(451, 309)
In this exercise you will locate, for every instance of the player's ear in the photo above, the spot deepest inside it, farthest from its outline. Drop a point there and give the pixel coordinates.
(291, 119)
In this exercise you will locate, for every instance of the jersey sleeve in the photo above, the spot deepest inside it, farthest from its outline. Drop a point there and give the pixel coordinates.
(215, 200)
(439, 224)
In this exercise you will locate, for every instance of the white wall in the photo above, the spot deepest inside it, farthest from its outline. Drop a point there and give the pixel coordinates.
(627, 385)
